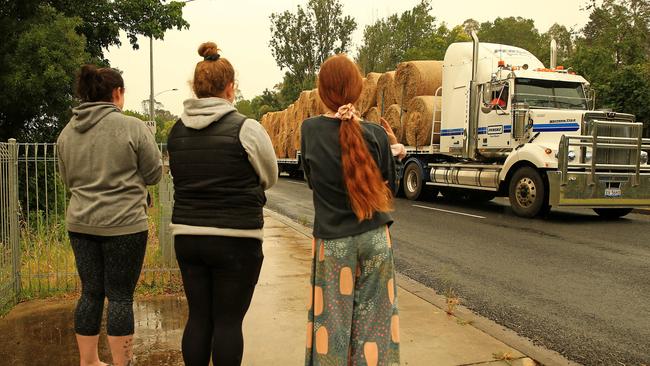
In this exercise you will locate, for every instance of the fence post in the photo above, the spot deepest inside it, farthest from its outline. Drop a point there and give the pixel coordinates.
(14, 234)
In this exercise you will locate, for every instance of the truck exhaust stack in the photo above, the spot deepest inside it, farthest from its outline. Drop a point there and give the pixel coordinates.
(553, 64)
(472, 128)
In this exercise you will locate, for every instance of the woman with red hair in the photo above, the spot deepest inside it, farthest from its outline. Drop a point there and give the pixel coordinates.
(350, 167)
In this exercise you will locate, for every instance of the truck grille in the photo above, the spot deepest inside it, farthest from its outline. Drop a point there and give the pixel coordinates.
(612, 156)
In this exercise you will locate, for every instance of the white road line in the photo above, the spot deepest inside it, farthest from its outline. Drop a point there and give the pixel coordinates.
(302, 184)
(451, 212)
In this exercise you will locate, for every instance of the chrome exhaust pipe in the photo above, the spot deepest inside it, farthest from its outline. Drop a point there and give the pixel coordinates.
(472, 128)
(553, 54)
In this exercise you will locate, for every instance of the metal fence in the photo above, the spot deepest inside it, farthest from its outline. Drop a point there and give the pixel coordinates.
(9, 238)
(35, 255)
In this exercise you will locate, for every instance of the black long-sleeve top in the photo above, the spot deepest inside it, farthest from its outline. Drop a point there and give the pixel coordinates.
(321, 159)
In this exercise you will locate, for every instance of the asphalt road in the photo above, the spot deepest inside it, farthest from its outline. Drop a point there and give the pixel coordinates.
(572, 282)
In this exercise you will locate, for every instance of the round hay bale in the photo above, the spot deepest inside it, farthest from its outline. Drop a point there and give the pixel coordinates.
(420, 118)
(415, 78)
(393, 117)
(386, 92)
(316, 106)
(302, 106)
(372, 115)
(368, 98)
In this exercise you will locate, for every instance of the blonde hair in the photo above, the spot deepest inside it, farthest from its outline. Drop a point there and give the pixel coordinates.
(213, 74)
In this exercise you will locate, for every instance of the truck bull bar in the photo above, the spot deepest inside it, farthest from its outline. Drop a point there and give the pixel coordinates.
(602, 184)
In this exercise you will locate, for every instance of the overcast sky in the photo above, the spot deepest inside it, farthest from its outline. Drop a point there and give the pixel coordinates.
(241, 29)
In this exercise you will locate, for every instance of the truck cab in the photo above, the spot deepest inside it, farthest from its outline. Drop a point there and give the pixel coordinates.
(512, 127)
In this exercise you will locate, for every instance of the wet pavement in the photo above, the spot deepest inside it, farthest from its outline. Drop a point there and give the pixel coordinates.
(40, 332)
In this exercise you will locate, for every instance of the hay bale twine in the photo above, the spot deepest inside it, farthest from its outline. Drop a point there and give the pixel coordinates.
(386, 92)
(372, 115)
(368, 98)
(420, 118)
(415, 78)
(393, 116)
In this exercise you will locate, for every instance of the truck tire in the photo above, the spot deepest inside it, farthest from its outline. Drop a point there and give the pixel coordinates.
(612, 213)
(527, 193)
(412, 183)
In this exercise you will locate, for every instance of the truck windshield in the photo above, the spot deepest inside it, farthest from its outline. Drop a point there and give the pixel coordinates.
(550, 94)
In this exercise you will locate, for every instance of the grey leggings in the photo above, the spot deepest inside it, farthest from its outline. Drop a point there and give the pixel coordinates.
(109, 266)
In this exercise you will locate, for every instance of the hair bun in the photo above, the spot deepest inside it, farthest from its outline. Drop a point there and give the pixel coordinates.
(89, 72)
(208, 49)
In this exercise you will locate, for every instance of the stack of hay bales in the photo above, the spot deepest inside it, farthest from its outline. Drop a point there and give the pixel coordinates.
(368, 98)
(406, 97)
(419, 118)
(416, 83)
(386, 92)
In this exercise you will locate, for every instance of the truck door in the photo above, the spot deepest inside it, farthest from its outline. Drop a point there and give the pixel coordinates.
(495, 124)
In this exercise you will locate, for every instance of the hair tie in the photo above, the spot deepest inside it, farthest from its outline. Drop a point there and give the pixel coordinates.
(214, 57)
(346, 112)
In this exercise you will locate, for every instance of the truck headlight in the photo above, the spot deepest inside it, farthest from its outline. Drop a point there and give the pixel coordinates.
(572, 155)
(644, 157)
(588, 156)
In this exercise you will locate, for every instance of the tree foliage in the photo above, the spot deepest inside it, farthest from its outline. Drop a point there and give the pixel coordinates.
(302, 40)
(513, 31)
(37, 74)
(387, 41)
(46, 41)
(613, 53)
(165, 120)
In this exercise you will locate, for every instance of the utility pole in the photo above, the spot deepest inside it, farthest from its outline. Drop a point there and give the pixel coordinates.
(152, 112)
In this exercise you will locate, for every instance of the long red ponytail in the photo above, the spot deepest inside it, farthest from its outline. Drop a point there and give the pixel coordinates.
(339, 84)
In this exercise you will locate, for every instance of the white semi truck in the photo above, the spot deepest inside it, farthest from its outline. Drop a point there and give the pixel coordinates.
(512, 127)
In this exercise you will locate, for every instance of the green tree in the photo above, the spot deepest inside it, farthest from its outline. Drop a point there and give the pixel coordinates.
(301, 41)
(565, 44)
(387, 41)
(102, 20)
(513, 31)
(434, 46)
(46, 41)
(244, 107)
(470, 25)
(613, 53)
(37, 73)
(164, 121)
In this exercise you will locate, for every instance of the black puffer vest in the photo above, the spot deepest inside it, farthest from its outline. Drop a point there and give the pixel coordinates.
(215, 185)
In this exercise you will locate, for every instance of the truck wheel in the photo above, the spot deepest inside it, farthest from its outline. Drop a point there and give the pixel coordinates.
(412, 182)
(612, 213)
(528, 196)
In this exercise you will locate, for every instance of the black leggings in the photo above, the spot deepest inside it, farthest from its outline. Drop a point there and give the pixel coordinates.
(109, 266)
(219, 276)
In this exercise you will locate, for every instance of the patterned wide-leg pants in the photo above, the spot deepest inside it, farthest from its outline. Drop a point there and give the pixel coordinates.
(353, 316)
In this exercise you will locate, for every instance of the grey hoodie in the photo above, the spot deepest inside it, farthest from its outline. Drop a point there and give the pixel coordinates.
(107, 159)
(199, 114)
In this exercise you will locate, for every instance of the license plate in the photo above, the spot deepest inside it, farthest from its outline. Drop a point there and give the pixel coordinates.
(613, 192)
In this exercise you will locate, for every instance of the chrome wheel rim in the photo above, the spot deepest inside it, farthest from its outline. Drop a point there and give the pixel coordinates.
(412, 182)
(526, 192)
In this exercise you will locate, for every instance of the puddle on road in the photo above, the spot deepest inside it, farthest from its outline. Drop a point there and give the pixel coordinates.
(41, 333)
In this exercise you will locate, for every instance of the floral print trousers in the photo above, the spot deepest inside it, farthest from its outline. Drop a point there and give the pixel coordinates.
(353, 316)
